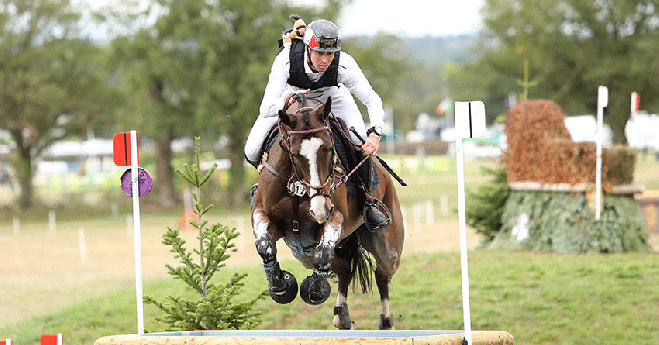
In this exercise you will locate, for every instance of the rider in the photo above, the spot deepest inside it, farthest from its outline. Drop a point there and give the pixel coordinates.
(317, 66)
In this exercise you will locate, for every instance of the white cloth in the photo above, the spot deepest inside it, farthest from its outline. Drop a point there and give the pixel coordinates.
(351, 80)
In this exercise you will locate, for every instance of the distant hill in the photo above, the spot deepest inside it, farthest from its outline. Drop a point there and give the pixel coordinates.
(439, 50)
(435, 50)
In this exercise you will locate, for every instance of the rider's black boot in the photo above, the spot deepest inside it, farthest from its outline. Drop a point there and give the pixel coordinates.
(252, 191)
(255, 164)
(374, 219)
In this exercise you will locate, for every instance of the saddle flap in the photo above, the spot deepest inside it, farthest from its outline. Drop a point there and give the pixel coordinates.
(270, 139)
(349, 154)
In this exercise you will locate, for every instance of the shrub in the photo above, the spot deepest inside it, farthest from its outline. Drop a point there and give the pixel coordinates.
(215, 309)
(487, 204)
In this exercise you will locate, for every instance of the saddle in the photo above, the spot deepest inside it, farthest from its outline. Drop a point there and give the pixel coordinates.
(348, 153)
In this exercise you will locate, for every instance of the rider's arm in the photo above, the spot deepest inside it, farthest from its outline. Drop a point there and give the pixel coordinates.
(273, 99)
(354, 79)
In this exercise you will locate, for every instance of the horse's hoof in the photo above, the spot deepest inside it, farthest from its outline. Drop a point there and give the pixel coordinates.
(288, 295)
(311, 297)
(386, 322)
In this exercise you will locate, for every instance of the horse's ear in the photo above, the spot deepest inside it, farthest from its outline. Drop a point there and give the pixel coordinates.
(284, 118)
(327, 109)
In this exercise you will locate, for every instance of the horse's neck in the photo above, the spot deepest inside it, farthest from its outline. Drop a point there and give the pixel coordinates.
(280, 160)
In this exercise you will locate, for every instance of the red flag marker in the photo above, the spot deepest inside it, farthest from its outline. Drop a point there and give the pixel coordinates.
(121, 149)
(51, 339)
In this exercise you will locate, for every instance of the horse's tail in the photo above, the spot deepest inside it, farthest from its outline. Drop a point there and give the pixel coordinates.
(362, 268)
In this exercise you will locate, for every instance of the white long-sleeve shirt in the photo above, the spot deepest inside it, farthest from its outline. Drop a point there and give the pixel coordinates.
(349, 75)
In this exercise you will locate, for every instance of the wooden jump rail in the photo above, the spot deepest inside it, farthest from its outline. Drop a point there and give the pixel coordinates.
(573, 188)
(298, 337)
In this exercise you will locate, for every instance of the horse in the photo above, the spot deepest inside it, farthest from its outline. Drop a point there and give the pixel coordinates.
(303, 198)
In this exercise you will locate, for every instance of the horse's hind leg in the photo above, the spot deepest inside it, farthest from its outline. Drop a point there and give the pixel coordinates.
(341, 266)
(382, 280)
(386, 246)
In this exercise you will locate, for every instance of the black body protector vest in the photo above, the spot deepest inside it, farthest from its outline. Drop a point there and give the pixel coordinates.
(299, 78)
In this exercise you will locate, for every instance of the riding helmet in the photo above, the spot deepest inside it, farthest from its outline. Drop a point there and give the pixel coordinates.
(322, 36)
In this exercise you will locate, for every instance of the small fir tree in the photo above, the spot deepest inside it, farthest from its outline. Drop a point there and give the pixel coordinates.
(487, 204)
(215, 309)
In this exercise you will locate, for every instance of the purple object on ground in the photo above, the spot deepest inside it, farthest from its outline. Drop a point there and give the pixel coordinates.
(144, 185)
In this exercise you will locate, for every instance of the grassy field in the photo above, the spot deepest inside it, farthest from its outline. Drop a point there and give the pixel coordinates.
(539, 298)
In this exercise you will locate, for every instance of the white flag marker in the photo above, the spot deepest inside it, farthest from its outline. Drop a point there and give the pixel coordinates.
(469, 123)
(602, 101)
(137, 237)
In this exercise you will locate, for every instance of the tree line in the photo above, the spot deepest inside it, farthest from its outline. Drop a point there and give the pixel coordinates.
(189, 68)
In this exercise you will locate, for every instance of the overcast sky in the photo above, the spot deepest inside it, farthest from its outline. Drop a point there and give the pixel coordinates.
(402, 17)
(412, 17)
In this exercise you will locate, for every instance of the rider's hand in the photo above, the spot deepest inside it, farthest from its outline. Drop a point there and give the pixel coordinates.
(291, 97)
(371, 146)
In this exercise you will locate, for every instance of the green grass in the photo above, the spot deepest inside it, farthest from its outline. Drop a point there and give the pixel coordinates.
(538, 298)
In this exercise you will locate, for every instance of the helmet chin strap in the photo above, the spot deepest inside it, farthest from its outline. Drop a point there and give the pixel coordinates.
(309, 59)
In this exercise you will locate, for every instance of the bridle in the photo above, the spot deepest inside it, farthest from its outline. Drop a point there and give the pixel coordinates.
(295, 177)
(295, 184)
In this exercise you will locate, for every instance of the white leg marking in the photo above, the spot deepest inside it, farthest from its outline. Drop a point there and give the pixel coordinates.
(331, 234)
(340, 298)
(385, 307)
(261, 223)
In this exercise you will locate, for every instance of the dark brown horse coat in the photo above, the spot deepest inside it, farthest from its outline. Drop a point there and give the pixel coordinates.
(303, 200)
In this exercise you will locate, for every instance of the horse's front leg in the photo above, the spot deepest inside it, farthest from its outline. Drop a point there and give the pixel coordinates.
(281, 284)
(315, 289)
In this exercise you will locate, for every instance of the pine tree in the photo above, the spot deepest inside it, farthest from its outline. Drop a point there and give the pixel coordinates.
(215, 309)
(487, 204)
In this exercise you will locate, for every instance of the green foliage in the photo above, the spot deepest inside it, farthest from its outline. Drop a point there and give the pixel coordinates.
(52, 83)
(572, 46)
(202, 68)
(215, 309)
(620, 164)
(564, 223)
(486, 206)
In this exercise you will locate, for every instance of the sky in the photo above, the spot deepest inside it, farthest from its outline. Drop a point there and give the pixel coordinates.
(412, 18)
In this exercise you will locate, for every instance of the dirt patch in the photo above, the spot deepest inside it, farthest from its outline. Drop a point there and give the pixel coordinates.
(42, 271)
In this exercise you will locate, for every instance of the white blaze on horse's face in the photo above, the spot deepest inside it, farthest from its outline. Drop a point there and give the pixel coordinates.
(319, 208)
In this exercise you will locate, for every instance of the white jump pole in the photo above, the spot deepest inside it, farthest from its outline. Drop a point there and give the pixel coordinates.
(114, 208)
(240, 222)
(52, 221)
(82, 245)
(17, 226)
(463, 239)
(469, 123)
(137, 233)
(416, 216)
(430, 212)
(602, 100)
(443, 204)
